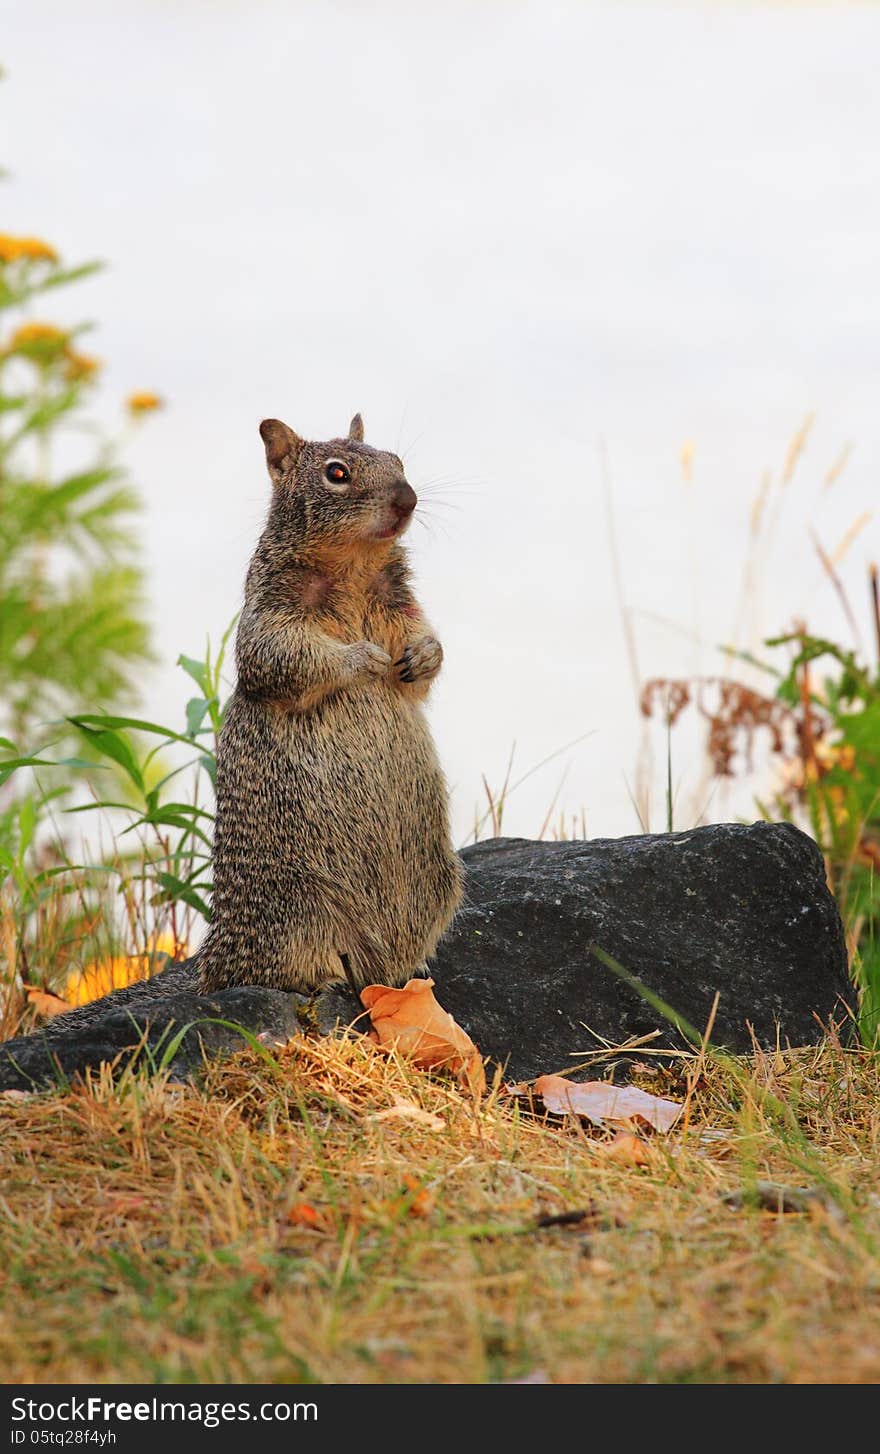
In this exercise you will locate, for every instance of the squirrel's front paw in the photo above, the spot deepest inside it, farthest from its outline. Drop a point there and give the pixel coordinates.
(420, 660)
(365, 658)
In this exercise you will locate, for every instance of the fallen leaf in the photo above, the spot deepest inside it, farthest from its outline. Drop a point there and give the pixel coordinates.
(119, 1205)
(408, 1111)
(626, 1148)
(45, 1003)
(416, 1201)
(600, 1102)
(303, 1214)
(411, 1021)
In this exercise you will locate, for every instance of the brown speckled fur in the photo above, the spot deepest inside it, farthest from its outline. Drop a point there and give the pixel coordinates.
(332, 833)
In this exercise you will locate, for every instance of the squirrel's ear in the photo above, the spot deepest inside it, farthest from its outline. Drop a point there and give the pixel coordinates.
(282, 447)
(356, 428)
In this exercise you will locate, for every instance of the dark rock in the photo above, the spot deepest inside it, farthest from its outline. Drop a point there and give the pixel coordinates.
(744, 910)
(143, 1021)
(741, 910)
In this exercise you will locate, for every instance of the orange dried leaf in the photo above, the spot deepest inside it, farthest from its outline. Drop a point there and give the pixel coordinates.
(45, 1003)
(627, 1149)
(120, 1205)
(600, 1102)
(416, 1201)
(411, 1021)
(303, 1214)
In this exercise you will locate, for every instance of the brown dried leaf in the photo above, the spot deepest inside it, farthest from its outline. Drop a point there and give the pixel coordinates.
(415, 1201)
(600, 1102)
(120, 1206)
(628, 1149)
(411, 1021)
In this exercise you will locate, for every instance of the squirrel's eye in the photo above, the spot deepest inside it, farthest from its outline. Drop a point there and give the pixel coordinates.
(336, 473)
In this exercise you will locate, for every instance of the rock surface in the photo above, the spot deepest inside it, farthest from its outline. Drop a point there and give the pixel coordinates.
(741, 910)
(153, 1012)
(744, 910)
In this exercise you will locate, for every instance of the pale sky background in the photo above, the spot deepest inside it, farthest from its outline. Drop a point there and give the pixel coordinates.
(505, 232)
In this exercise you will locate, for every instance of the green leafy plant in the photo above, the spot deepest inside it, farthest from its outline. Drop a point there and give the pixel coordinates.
(821, 721)
(834, 779)
(151, 891)
(72, 627)
(72, 622)
(177, 828)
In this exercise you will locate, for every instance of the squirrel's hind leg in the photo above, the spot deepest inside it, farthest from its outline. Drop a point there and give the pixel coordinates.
(273, 939)
(310, 932)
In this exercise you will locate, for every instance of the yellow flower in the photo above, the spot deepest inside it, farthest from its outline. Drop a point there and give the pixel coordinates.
(30, 333)
(36, 250)
(31, 248)
(80, 366)
(143, 402)
(795, 773)
(44, 344)
(831, 754)
(41, 343)
(100, 977)
(117, 971)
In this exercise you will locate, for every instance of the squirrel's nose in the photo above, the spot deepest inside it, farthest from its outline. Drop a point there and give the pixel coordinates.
(404, 498)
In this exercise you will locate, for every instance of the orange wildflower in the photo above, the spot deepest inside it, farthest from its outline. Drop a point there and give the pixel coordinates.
(143, 402)
(42, 344)
(36, 333)
(117, 971)
(832, 754)
(80, 366)
(33, 249)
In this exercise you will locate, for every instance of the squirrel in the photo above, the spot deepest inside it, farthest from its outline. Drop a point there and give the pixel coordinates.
(332, 851)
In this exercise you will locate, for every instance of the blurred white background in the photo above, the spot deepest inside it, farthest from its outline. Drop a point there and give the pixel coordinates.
(505, 232)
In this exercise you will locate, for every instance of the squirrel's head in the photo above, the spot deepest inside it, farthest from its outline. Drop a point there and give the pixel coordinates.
(344, 490)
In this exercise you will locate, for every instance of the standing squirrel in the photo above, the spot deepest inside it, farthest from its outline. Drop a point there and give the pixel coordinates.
(332, 851)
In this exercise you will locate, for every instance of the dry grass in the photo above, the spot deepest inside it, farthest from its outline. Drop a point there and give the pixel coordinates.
(156, 1232)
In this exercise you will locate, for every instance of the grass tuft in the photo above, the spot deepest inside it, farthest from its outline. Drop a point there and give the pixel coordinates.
(309, 1218)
